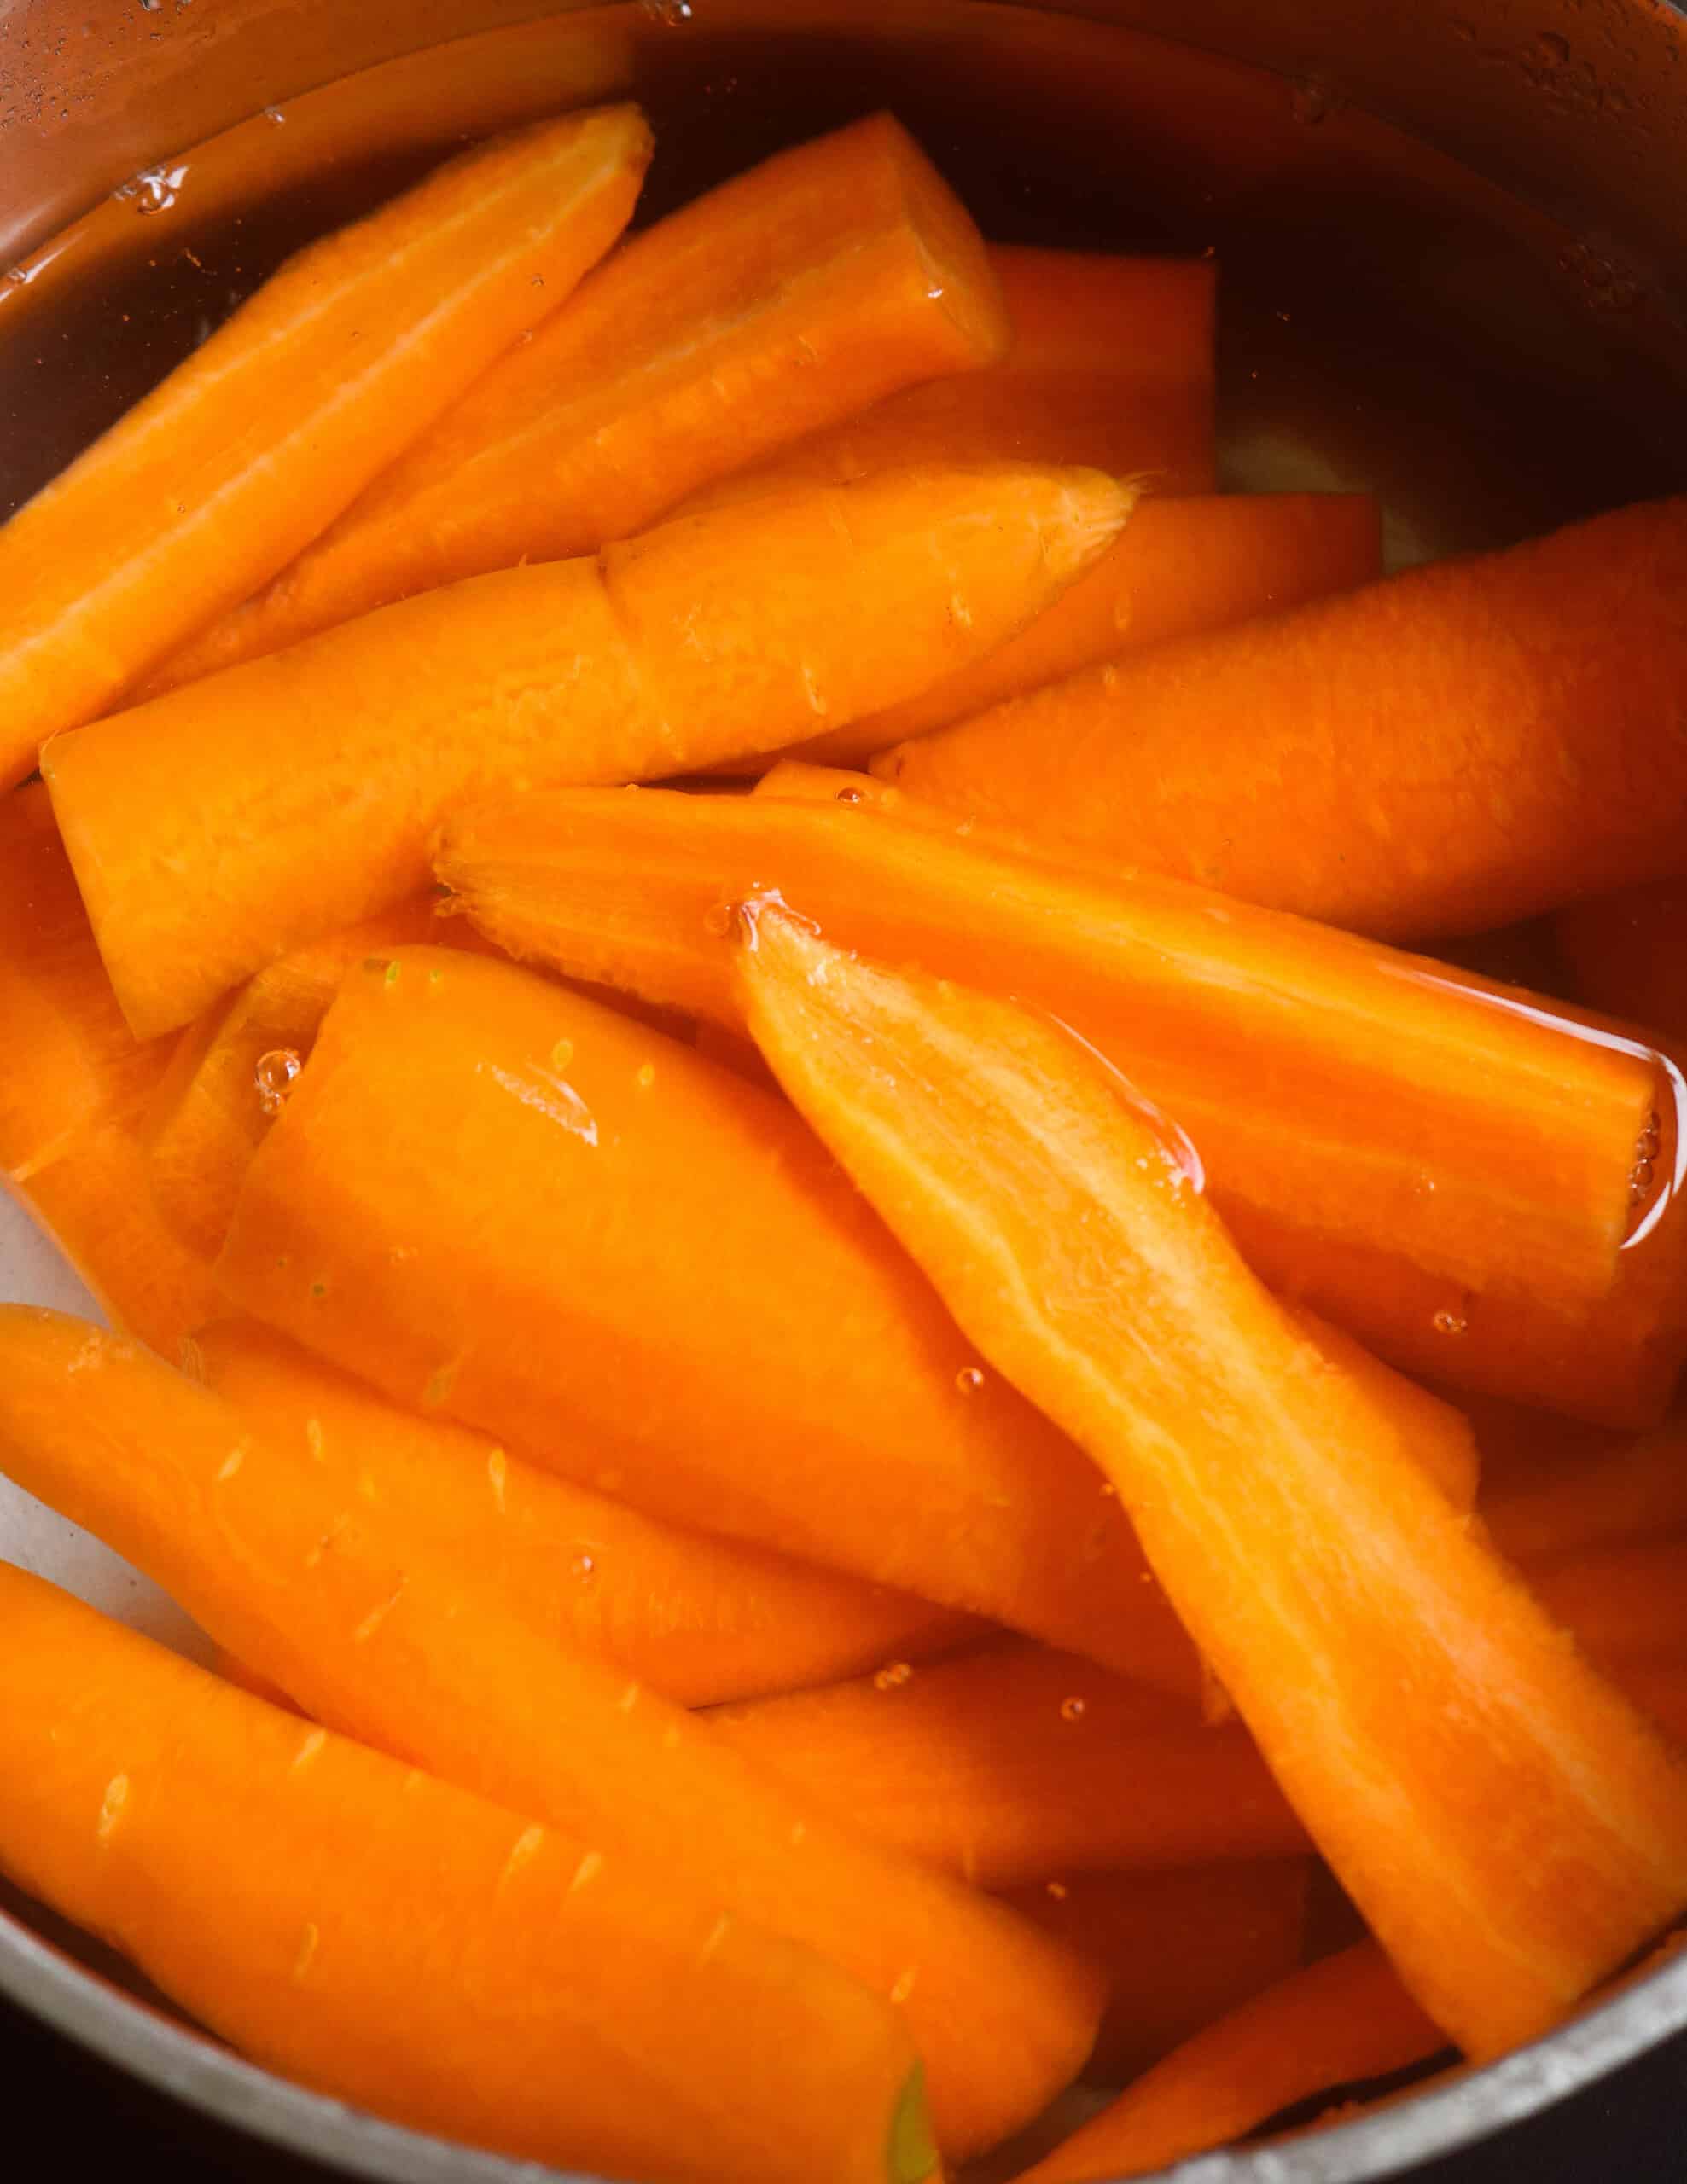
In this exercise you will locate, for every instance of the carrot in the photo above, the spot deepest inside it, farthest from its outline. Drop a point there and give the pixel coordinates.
(1627, 1604)
(438, 1958)
(1179, 566)
(699, 1619)
(1457, 746)
(1016, 1764)
(820, 281)
(1627, 953)
(1597, 1497)
(71, 1088)
(1380, 1130)
(1659, 1688)
(374, 1636)
(1336, 2023)
(617, 1223)
(230, 1072)
(1178, 1948)
(206, 488)
(238, 818)
(1509, 1826)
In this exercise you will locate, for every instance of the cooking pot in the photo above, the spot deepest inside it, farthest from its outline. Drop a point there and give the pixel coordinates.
(1459, 233)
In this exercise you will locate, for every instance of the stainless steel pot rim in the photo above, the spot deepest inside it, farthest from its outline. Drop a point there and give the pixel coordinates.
(1447, 2117)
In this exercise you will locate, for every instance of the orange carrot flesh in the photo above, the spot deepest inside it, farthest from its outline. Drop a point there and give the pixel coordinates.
(397, 1942)
(210, 485)
(1353, 1106)
(1178, 1948)
(797, 294)
(1627, 953)
(415, 1654)
(238, 818)
(1336, 2023)
(1019, 1764)
(1599, 1498)
(1510, 1828)
(615, 1218)
(1458, 746)
(699, 1619)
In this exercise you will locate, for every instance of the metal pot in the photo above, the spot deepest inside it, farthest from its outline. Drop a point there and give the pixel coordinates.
(1514, 173)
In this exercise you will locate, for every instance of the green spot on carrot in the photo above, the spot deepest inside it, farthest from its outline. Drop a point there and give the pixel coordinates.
(393, 974)
(913, 2153)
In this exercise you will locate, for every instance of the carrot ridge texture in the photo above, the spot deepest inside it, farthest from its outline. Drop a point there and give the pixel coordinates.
(1457, 746)
(214, 481)
(446, 1961)
(374, 1635)
(1373, 1166)
(1509, 1827)
(293, 796)
(793, 295)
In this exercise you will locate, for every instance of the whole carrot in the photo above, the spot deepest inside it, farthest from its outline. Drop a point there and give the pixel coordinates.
(1452, 748)
(374, 1635)
(207, 487)
(791, 296)
(399, 1943)
(293, 796)
(1509, 1827)
(698, 1618)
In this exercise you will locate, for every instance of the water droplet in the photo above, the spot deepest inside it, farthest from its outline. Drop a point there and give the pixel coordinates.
(1073, 1710)
(152, 7)
(562, 1054)
(1640, 1177)
(274, 114)
(718, 920)
(585, 1567)
(1057, 1889)
(893, 1677)
(273, 1075)
(155, 190)
(969, 1379)
(1450, 1323)
(849, 796)
(668, 14)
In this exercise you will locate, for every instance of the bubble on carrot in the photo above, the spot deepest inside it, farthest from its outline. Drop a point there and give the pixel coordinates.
(969, 1379)
(1073, 1710)
(667, 14)
(111, 1809)
(894, 1677)
(1446, 1322)
(583, 1567)
(645, 1076)
(718, 920)
(274, 1075)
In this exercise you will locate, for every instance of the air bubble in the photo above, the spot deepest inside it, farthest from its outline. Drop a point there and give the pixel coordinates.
(894, 1677)
(1450, 1323)
(585, 1567)
(668, 14)
(274, 1075)
(718, 920)
(1057, 1890)
(849, 796)
(1073, 1710)
(968, 1380)
(155, 190)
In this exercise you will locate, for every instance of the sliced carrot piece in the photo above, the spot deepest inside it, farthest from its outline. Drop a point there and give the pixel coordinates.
(1509, 1827)
(699, 1619)
(441, 1959)
(414, 1653)
(796, 293)
(294, 796)
(1627, 953)
(206, 488)
(1460, 746)
(1380, 1130)
(1178, 1948)
(1336, 2023)
(1019, 1763)
(616, 1220)
(1601, 1497)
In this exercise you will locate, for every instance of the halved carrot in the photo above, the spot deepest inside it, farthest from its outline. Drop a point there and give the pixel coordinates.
(1627, 953)
(1018, 1763)
(401, 1945)
(406, 1649)
(1460, 746)
(1381, 1129)
(796, 293)
(1336, 2023)
(206, 488)
(1598, 1497)
(1509, 1826)
(617, 1226)
(699, 1619)
(231, 821)
(1178, 1948)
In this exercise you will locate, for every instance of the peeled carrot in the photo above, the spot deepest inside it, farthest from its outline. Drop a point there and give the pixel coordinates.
(1178, 1948)
(1018, 1763)
(1457, 746)
(1178, 565)
(231, 821)
(206, 488)
(399, 1944)
(1336, 2023)
(1509, 1827)
(822, 280)
(618, 1229)
(409, 1651)
(1627, 953)
(1595, 1498)
(699, 1619)
(1380, 1130)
